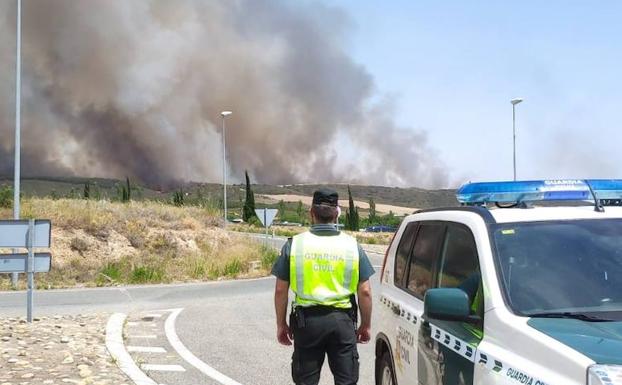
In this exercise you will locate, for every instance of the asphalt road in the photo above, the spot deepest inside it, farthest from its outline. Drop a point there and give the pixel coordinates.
(228, 325)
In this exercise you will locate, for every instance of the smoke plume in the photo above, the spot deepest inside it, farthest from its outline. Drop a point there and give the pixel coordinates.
(116, 88)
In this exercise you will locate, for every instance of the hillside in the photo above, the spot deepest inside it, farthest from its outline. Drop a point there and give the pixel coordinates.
(107, 243)
(397, 196)
(212, 192)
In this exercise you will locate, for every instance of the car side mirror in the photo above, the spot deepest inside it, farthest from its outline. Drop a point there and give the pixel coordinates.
(448, 304)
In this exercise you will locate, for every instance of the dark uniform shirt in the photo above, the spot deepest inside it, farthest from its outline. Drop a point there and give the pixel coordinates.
(281, 266)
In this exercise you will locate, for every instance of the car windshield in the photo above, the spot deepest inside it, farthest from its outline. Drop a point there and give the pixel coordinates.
(562, 266)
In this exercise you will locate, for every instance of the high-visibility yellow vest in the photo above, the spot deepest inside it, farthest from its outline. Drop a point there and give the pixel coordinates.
(324, 270)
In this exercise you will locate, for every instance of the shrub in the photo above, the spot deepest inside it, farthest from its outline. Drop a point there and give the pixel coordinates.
(136, 233)
(79, 244)
(268, 256)
(6, 197)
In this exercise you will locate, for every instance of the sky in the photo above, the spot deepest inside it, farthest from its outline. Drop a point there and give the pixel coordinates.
(398, 93)
(452, 68)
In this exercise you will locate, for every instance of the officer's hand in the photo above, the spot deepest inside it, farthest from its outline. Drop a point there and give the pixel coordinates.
(363, 334)
(284, 335)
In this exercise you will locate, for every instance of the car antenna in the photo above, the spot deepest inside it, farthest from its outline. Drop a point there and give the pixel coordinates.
(598, 207)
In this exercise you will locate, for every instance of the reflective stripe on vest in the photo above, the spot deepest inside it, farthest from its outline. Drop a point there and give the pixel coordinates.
(324, 270)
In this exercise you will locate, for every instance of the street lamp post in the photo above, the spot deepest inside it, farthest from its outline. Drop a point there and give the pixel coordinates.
(514, 103)
(18, 101)
(224, 164)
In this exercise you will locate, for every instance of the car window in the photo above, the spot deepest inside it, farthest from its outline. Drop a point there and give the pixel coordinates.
(424, 257)
(459, 264)
(403, 251)
(562, 266)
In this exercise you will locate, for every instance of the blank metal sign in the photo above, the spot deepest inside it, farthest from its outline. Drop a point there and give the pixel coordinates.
(14, 233)
(16, 263)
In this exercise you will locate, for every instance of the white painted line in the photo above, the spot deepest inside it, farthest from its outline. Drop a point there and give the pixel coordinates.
(173, 339)
(146, 336)
(114, 344)
(152, 316)
(146, 349)
(163, 310)
(162, 368)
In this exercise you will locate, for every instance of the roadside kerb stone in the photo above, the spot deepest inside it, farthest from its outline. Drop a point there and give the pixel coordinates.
(116, 347)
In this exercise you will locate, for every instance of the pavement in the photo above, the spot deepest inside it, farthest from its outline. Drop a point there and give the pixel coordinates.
(57, 350)
(198, 333)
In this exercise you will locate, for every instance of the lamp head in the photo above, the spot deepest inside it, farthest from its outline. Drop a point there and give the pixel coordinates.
(516, 101)
(225, 113)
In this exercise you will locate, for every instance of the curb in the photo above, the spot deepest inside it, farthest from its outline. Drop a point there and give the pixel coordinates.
(116, 347)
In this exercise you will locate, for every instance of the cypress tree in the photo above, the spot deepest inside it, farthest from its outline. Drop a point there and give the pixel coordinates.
(178, 197)
(249, 205)
(124, 192)
(372, 212)
(352, 216)
(87, 191)
(300, 210)
(281, 208)
(129, 189)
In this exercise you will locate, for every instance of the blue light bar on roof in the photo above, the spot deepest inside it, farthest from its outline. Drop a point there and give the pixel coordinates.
(541, 190)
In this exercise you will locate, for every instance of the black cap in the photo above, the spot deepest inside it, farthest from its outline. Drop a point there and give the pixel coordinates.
(326, 196)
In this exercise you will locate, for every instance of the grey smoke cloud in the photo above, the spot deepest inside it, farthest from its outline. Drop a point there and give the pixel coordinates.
(115, 88)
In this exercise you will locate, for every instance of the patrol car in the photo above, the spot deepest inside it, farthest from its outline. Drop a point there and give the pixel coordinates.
(522, 284)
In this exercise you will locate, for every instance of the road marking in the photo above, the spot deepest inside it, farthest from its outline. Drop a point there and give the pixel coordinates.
(147, 336)
(173, 339)
(146, 349)
(162, 368)
(132, 323)
(152, 316)
(114, 344)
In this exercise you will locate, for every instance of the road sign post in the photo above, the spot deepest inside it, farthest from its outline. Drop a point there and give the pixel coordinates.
(266, 216)
(30, 268)
(26, 234)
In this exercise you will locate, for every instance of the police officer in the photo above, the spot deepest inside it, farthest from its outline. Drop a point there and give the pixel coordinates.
(325, 269)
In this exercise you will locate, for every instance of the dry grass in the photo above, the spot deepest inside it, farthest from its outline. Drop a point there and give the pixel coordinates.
(281, 231)
(373, 238)
(106, 243)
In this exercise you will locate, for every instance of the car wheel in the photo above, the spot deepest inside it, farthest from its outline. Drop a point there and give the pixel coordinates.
(385, 374)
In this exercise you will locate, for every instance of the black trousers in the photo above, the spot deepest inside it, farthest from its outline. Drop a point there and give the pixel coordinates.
(326, 332)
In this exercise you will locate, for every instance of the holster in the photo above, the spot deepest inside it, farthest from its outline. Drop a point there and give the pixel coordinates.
(354, 310)
(297, 318)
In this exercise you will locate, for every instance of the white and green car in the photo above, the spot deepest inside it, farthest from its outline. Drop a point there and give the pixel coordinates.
(520, 285)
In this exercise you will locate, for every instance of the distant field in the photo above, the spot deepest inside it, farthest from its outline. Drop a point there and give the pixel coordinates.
(380, 207)
(395, 196)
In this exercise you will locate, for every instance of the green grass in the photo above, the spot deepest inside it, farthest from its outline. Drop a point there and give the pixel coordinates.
(109, 274)
(146, 274)
(232, 268)
(112, 271)
(268, 256)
